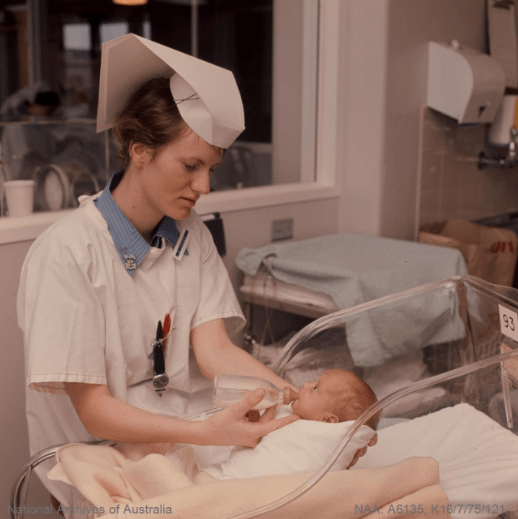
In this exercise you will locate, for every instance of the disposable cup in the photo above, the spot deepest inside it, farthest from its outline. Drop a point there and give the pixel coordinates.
(19, 195)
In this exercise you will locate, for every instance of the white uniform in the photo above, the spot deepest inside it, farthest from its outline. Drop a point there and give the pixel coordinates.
(86, 320)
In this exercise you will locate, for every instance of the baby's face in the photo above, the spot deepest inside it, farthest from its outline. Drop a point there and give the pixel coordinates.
(318, 398)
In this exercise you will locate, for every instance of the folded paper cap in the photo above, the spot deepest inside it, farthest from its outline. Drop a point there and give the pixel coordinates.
(206, 95)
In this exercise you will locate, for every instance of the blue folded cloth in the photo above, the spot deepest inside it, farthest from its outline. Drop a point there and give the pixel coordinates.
(357, 268)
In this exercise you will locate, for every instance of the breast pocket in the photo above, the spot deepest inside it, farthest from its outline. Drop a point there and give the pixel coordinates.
(138, 320)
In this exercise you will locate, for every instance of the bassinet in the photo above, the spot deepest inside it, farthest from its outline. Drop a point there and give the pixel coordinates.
(460, 336)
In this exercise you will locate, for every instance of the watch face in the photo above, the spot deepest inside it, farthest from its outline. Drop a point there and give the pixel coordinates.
(160, 381)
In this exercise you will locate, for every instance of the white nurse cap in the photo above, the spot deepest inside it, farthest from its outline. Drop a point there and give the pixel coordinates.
(206, 95)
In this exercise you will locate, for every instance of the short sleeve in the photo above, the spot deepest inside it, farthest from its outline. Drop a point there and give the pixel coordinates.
(61, 317)
(217, 297)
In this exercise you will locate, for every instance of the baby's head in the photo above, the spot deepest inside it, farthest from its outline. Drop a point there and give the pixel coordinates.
(336, 396)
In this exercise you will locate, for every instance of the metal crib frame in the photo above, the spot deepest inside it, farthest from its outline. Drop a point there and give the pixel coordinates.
(21, 484)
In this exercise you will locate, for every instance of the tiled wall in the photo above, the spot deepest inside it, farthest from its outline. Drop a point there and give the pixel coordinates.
(450, 183)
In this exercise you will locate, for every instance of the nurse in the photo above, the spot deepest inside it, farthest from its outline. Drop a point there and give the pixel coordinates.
(95, 285)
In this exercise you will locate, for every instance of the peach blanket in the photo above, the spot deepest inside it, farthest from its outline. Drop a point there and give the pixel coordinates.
(137, 484)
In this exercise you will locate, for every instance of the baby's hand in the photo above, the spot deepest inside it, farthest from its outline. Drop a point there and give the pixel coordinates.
(361, 452)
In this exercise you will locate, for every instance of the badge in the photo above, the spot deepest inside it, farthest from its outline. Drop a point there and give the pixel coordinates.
(181, 245)
(129, 260)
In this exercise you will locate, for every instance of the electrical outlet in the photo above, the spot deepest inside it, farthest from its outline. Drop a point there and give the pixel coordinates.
(282, 229)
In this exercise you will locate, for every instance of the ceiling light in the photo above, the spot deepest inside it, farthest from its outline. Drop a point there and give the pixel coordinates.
(130, 2)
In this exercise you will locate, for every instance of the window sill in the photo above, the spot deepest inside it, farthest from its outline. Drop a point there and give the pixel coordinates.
(26, 228)
(264, 196)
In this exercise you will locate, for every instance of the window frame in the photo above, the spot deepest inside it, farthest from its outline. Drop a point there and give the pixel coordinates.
(326, 184)
(323, 157)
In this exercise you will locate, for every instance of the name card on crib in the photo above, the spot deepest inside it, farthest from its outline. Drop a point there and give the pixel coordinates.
(508, 322)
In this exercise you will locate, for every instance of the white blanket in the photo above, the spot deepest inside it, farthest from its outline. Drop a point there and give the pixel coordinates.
(478, 458)
(298, 448)
(152, 486)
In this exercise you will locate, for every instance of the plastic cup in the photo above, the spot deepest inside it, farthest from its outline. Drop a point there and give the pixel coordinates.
(19, 195)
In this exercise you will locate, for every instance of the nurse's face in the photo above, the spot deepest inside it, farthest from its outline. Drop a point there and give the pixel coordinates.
(173, 180)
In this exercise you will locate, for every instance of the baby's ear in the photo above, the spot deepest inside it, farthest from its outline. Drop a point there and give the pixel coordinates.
(330, 418)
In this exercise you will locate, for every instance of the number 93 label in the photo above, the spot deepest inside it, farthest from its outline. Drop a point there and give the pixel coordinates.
(508, 322)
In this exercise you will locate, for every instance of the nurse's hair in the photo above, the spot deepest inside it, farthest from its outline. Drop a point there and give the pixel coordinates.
(150, 117)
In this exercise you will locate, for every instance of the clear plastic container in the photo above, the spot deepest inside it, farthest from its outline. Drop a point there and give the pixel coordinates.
(456, 328)
(229, 389)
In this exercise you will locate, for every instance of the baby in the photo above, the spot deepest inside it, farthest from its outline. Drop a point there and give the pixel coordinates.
(328, 407)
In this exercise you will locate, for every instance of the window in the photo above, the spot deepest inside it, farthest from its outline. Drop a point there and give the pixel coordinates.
(111, 30)
(274, 47)
(76, 36)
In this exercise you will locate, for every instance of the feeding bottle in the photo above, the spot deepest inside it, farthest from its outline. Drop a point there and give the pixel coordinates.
(229, 389)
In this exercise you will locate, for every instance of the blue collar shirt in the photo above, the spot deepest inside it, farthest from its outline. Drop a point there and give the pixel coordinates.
(132, 247)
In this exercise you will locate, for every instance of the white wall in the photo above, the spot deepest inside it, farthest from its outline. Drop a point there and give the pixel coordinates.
(362, 108)
(383, 86)
(287, 101)
(14, 442)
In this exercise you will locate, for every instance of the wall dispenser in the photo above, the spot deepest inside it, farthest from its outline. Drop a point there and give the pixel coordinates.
(464, 83)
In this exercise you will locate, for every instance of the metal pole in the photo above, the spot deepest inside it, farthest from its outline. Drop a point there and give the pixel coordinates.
(34, 39)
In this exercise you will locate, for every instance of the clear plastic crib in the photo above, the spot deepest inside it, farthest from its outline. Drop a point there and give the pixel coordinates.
(456, 340)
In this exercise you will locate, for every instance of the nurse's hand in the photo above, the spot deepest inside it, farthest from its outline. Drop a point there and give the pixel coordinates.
(232, 427)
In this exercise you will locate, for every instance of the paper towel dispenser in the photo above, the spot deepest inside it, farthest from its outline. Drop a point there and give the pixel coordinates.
(464, 83)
